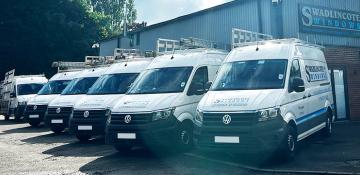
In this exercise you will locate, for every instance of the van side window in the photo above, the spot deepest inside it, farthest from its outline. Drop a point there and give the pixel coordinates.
(198, 83)
(295, 72)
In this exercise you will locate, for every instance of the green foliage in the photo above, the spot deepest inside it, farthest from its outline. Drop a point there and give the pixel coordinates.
(34, 33)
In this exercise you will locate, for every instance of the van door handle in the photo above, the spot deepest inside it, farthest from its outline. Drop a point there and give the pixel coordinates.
(304, 97)
(309, 95)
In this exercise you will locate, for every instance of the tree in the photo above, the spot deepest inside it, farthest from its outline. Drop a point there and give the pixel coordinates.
(114, 9)
(34, 33)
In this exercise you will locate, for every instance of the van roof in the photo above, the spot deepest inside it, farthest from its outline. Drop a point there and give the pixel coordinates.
(65, 76)
(93, 72)
(133, 66)
(272, 49)
(191, 57)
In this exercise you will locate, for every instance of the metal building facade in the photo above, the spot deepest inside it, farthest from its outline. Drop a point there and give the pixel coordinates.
(280, 18)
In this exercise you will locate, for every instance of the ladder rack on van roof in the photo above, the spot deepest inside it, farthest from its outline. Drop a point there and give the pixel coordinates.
(64, 66)
(165, 46)
(242, 38)
(280, 41)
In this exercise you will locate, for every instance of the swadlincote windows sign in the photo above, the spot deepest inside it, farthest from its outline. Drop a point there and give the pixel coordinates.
(314, 19)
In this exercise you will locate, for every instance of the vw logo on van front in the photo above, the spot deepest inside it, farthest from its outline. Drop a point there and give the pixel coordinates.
(226, 119)
(35, 107)
(58, 110)
(86, 114)
(127, 119)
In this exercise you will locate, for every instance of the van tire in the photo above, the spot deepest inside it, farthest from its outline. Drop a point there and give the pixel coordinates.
(34, 124)
(83, 138)
(7, 117)
(124, 149)
(57, 130)
(327, 131)
(289, 145)
(17, 116)
(184, 136)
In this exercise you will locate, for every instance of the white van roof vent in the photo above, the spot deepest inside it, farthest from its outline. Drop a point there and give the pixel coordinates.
(243, 37)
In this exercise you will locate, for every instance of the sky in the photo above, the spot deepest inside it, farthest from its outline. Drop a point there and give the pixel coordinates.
(155, 11)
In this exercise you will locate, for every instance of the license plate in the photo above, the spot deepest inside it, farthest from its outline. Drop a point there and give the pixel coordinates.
(33, 116)
(86, 128)
(59, 121)
(226, 139)
(126, 136)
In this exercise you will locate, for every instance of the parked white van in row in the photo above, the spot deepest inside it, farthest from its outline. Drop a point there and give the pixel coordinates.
(36, 107)
(59, 109)
(22, 89)
(267, 96)
(90, 113)
(161, 105)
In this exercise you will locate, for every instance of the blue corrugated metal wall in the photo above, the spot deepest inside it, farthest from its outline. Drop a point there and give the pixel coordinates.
(215, 25)
(291, 24)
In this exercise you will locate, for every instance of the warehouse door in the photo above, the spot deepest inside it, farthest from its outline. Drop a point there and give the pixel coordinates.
(340, 94)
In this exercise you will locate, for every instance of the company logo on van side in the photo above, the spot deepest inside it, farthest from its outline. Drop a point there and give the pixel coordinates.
(316, 73)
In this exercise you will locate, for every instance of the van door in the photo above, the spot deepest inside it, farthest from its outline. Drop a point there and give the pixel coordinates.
(297, 101)
(317, 93)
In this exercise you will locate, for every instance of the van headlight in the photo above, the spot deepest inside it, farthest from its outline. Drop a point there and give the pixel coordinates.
(199, 116)
(268, 114)
(162, 114)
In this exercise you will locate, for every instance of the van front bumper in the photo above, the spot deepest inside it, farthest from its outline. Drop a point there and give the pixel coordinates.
(255, 137)
(146, 132)
(57, 117)
(34, 113)
(93, 124)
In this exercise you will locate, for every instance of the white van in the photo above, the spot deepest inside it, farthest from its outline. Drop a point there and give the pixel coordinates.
(37, 106)
(161, 105)
(267, 96)
(59, 109)
(90, 113)
(23, 88)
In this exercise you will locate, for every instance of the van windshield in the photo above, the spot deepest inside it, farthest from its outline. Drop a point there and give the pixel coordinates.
(27, 89)
(113, 84)
(79, 86)
(251, 75)
(54, 87)
(162, 80)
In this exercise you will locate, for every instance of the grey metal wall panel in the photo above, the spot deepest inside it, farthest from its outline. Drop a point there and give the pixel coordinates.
(107, 47)
(214, 25)
(291, 24)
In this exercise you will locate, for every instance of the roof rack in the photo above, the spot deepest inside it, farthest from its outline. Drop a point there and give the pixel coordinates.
(64, 66)
(241, 37)
(165, 46)
(280, 41)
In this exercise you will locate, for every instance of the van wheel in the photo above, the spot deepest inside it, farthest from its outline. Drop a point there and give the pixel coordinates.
(289, 145)
(83, 138)
(57, 130)
(124, 149)
(327, 131)
(7, 117)
(17, 116)
(34, 124)
(185, 136)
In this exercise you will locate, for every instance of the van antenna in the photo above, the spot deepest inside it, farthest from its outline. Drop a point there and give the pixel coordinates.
(257, 46)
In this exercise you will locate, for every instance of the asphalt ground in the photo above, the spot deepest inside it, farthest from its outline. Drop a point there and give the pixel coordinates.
(27, 150)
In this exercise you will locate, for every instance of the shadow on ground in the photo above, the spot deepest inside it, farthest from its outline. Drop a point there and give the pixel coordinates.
(50, 138)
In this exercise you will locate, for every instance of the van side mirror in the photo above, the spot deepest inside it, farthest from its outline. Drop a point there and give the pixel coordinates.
(208, 85)
(298, 85)
(12, 95)
(196, 89)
